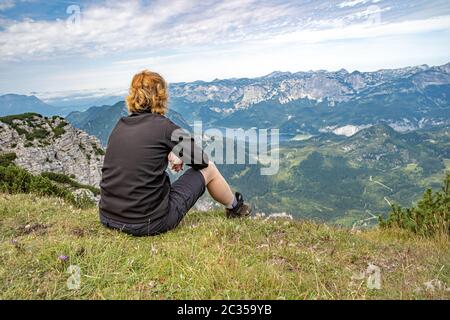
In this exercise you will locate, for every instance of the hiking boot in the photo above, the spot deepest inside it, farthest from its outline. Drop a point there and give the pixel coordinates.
(241, 210)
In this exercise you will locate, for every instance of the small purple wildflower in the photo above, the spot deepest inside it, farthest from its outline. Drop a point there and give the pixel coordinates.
(17, 244)
(63, 258)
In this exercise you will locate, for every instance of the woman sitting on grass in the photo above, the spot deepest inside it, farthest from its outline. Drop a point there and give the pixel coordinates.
(136, 194)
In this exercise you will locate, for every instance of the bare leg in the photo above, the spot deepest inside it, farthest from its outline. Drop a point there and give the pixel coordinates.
(217, 187)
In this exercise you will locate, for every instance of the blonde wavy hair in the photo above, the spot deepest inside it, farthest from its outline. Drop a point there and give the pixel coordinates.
(148, 92)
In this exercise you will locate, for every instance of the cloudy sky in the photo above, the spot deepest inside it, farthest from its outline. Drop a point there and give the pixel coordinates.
(54, 46)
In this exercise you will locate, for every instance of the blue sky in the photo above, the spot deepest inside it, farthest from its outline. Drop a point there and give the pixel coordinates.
(51, 47)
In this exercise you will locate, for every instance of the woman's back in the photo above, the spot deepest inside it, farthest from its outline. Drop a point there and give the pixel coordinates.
(135, 186)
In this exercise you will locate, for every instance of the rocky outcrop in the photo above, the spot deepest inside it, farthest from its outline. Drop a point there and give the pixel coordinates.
(44, 144)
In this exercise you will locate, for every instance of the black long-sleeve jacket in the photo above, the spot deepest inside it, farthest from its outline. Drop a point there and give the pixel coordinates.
(135, 185)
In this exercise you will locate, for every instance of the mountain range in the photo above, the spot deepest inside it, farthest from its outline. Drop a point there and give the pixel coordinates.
(16, 104)
(334, 87)
(302, 102)
(317, 101)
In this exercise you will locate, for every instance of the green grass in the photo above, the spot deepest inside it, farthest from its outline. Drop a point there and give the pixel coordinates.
(207, 256)
(7, 158)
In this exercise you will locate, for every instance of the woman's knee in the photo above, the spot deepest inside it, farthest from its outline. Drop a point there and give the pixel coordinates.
(210, 172)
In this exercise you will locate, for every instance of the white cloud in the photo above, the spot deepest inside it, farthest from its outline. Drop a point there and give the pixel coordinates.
(124, 26)
(351, 3)
(117, 27)
(363, 31)
(6, 4)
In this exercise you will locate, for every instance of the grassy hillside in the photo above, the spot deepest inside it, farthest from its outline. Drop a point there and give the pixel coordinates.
(208, 256)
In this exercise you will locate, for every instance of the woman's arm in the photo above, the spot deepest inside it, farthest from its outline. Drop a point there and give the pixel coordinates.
(183, 145)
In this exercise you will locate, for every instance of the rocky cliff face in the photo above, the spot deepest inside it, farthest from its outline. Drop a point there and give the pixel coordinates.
(334, 87)
(51, 144)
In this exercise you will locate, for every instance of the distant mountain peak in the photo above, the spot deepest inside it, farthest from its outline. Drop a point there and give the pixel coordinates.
(276, 74)
(342, 71)
(12, 103)
(16, 95)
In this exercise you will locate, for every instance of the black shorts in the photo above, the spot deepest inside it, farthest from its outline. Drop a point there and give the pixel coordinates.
(184, 193)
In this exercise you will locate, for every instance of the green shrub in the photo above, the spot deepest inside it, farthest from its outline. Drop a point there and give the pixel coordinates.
(59, 129)
(44, 187)
(14, 179)
(39, 134)
(23, 117)
(19, 130)
(57, 177)
(7, 158)
(431, 215)
(9, 119)
(17, 180)
(30, 123)
(98, 151)
(64, 179)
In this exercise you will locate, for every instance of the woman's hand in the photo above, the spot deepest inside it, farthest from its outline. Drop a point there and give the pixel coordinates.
(175, 163)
